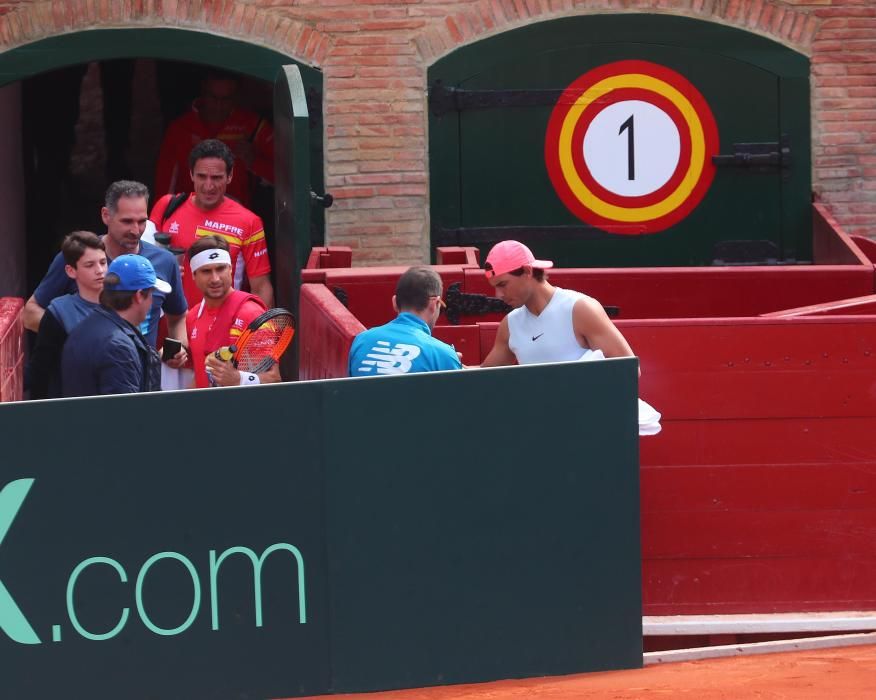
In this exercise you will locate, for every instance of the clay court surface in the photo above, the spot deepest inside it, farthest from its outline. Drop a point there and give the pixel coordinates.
(831, 674)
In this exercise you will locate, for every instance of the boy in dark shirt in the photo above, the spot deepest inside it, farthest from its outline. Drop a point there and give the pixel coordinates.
(85, 263)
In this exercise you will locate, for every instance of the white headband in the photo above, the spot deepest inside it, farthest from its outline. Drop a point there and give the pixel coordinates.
(214, 256)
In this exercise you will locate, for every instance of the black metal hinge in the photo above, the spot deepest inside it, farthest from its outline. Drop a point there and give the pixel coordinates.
(443, 99)
(487, 235)
(459, 303)
(769, 155)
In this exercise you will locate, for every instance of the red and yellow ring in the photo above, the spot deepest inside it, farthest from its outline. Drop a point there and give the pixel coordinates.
(575, 111)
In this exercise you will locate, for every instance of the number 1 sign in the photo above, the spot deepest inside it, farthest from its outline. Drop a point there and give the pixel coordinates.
(629, 147)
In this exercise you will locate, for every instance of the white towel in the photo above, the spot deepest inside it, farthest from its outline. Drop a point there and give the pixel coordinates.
(649, 417)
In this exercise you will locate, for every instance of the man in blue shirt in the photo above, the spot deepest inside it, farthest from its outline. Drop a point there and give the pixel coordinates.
(125, 215)
(405, 344)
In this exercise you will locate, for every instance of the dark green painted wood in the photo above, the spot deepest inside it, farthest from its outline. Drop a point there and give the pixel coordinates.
(437, 548)
(495, 502)
(103, 488)
(756, 89)
(795, 121)
(292, 188)
(445, 167)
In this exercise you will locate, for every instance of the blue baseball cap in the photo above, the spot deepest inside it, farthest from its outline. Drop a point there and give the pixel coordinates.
(134, 272)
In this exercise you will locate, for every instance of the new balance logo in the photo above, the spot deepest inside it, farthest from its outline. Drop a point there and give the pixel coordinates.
(384, 359)
(12, 620)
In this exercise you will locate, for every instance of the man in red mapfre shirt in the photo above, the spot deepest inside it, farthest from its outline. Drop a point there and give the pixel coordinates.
(208, 212)
(214, 116)
(220, 317)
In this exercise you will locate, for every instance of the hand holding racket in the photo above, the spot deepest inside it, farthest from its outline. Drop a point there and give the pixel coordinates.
(258, 349)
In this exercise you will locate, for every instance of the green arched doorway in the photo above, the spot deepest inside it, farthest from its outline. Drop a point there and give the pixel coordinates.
(490, 149)
(177, 45)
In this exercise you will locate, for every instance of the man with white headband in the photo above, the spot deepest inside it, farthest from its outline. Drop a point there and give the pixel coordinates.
(219, 319)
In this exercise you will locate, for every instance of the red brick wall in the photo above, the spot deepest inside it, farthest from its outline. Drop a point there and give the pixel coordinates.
(374, 54)
(844, 111)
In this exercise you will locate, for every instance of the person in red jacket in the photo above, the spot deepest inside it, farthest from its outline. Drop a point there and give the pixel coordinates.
(215, 116)
(209, 212)
(220, 318)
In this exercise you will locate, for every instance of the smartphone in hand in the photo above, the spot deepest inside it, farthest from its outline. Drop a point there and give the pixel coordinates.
(170, 348)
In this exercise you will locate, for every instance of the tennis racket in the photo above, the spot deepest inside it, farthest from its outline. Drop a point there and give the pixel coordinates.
(264, 341)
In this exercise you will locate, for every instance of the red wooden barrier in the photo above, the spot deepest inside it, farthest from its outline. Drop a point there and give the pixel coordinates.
(11, 349)
(759, 495)
(866, 245)
(856, 306)
(322, 258)
(635, 292)
(831, 245)
(326, 330)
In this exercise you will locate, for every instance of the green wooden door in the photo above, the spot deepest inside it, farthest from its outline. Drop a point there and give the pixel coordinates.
(490, 109)
(292, 193)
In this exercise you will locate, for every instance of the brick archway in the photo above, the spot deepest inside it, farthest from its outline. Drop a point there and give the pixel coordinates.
(770, 18)
(232, 19)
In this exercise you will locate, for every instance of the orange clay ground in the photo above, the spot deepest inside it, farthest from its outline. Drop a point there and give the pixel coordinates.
(822, 674)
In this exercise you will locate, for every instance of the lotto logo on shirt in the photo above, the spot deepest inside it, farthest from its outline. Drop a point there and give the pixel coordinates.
(384, 359)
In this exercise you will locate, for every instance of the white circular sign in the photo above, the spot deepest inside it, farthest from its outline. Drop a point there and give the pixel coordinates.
(631, 148)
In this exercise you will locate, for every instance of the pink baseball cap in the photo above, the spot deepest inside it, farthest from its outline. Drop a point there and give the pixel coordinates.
(508, 256)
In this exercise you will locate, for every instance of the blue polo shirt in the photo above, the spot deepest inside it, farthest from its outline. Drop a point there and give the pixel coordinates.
(402, 346)
(56, 283)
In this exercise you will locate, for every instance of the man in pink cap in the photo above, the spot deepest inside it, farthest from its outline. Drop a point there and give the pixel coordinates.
(547, 323)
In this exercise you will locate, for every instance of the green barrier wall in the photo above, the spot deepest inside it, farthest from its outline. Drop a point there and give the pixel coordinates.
(405, 531)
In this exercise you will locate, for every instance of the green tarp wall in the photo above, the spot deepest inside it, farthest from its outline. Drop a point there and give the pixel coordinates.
(407, 531)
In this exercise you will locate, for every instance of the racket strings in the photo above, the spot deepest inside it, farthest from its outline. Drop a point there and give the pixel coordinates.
(267, 341)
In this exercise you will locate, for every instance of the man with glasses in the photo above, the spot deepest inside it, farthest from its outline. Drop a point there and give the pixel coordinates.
(106, 353)
(405, 344)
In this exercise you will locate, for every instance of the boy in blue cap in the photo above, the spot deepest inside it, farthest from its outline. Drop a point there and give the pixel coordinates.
(106, 353)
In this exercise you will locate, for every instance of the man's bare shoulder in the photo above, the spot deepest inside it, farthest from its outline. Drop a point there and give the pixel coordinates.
(587, 307)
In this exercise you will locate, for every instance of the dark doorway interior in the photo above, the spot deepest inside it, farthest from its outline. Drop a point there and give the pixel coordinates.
(85, 125)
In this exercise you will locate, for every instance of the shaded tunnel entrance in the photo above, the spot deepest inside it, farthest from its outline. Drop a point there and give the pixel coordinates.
(92, 107)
